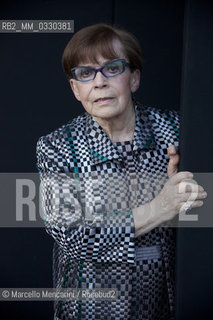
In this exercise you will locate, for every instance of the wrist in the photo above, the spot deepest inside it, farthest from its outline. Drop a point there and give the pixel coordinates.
(143, 216)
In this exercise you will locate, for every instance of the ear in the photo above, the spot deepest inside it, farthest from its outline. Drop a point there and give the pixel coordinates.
(135, 80)
(74, 88)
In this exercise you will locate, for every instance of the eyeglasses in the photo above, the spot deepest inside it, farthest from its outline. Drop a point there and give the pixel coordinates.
(111, 69)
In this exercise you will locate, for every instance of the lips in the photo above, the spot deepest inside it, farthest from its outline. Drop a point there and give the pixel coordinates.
(104, 99)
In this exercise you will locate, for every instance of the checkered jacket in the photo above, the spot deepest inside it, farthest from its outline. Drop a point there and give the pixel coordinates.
(89, 187)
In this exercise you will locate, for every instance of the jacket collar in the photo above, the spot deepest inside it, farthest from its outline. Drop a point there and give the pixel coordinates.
(102, 149)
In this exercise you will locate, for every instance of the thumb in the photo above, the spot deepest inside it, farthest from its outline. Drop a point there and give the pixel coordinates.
(173, 160)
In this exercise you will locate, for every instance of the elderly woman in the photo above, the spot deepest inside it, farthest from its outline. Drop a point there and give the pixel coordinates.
(111, 185)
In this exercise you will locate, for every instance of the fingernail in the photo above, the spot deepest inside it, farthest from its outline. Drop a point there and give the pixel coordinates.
(172, 148)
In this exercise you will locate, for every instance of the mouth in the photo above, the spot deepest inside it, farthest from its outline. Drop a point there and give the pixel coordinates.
(104, 100)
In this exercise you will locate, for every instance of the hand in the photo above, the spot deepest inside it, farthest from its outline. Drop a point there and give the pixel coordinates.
(175, 193)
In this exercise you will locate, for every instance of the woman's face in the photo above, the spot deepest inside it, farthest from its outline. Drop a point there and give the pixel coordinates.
(107, 98)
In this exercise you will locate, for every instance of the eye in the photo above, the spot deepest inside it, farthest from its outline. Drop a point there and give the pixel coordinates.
(85, 73)
(112, 68)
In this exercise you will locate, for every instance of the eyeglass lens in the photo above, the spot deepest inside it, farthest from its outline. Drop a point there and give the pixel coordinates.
(111, 69)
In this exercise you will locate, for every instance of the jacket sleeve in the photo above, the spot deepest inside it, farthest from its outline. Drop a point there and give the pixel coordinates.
(98, 238)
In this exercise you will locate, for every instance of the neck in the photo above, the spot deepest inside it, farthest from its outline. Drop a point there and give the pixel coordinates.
(121, 127)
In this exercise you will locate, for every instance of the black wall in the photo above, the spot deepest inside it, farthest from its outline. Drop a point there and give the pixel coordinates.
(195, 249)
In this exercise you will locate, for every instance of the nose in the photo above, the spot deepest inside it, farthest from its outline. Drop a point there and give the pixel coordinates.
(100, 80)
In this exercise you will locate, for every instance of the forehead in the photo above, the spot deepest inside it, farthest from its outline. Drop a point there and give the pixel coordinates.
(102, 57)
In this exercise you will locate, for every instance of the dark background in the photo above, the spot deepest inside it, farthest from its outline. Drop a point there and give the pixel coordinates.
(176, 40)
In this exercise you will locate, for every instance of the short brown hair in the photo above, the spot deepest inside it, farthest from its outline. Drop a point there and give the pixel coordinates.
(97, 39)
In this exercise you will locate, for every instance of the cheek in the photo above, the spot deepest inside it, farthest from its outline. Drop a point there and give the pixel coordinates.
(124, 86)
(84, 93)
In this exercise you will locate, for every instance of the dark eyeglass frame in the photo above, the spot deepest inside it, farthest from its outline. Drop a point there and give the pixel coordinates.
(124, 64)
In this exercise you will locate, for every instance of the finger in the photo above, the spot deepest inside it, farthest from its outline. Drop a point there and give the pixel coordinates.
(193, 204)
(181, 176)
(172, 150)
(173, 160)
(189, 186)
(192, 196)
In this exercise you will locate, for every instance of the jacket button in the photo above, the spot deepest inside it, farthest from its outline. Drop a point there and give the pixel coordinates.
(120, 164)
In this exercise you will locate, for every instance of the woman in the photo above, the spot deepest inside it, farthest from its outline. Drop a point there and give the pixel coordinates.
(105, 189)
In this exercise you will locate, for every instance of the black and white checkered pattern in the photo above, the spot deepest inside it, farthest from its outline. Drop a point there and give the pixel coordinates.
(89, 187)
